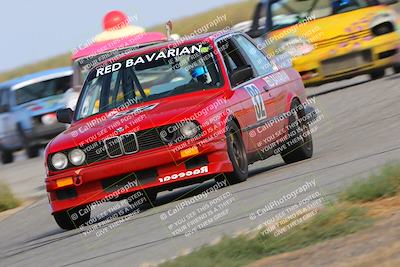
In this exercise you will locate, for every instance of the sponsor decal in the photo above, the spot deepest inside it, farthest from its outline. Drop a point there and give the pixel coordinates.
(277, 79)
(134, 111)
(256, 98)
(184, 174)
(163, 54)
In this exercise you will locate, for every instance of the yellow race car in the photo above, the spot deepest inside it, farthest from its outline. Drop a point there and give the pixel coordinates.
(330, 40)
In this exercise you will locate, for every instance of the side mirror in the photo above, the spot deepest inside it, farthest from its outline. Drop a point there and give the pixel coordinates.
(256, 33)
(65, 115)
(4, 108)
(241, 75)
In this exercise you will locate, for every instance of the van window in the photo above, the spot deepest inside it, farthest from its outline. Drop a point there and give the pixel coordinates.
(43, 89)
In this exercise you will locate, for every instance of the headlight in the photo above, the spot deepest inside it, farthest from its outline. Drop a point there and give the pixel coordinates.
(59, 161)
(189, 129)
(49, 119)
(169, 133)
(296, 46)
(77, 157)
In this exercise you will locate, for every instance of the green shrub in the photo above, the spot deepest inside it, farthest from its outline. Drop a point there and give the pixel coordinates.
(384, 184)
(7, 199)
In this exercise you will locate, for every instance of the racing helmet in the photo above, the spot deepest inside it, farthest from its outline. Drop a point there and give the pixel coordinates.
(341, 4)
(201, 74)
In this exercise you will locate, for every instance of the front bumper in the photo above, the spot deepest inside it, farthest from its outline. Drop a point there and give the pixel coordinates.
(161, 168)
(384, 50)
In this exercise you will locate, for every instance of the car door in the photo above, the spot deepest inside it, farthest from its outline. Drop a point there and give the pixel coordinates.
(270, 89)
(253, 110)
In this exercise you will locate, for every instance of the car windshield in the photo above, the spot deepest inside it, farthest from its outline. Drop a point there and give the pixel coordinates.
(42, 89)
(148, 77)
(286, 13)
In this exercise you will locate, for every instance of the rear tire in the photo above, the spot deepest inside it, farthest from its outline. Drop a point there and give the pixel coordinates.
(299, 146)
(7, 157)
(237, 155)
(71, 219)
(396, 68)
(377, 74)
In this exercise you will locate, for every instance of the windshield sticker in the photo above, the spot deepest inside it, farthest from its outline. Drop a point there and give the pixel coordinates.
(163, 54)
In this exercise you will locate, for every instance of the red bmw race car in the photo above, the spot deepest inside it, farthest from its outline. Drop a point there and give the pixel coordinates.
(174, 114)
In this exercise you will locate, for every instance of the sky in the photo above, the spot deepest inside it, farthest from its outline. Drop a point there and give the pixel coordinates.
(36, 30)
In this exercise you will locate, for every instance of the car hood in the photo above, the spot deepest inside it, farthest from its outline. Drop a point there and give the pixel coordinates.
(327, 28)
(135, 118)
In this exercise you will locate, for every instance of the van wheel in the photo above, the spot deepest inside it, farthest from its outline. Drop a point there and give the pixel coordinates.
(71, 219)
(377, 74)
(237, 155)
(7, 157)
(32, 152)
(299, 145)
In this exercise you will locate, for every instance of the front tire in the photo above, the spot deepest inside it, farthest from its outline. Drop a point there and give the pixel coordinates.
(32, 152)
(377, 74)
(299, 145)
(7, 157)
(71, 219)
(237, 155)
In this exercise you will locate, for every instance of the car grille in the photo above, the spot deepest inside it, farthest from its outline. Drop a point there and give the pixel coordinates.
(342, 39)
(119, 145)
(346, 63)
(124, 144)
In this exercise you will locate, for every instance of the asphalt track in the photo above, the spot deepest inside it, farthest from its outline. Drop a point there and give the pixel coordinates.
(359, 132)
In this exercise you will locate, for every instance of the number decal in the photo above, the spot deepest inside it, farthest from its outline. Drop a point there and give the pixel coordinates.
(256, 97)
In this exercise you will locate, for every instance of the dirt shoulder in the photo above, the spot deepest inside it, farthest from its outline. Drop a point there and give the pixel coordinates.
(378, 245)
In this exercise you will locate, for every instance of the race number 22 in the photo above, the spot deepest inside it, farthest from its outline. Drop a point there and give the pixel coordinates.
(256, 97)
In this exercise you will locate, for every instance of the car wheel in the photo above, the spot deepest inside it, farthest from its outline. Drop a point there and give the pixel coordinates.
(7, 157)
(299, 145)
(377, 74)
(71, 219)
(237, 155)
(396, 68)
(32, 152)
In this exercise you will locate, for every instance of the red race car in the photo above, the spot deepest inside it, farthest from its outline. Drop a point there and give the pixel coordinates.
(174, 114)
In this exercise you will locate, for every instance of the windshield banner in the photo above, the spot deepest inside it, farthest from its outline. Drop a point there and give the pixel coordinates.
(164, 54)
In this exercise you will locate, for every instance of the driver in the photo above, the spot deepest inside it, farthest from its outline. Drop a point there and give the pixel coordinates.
(338, 5)
(201, 74)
